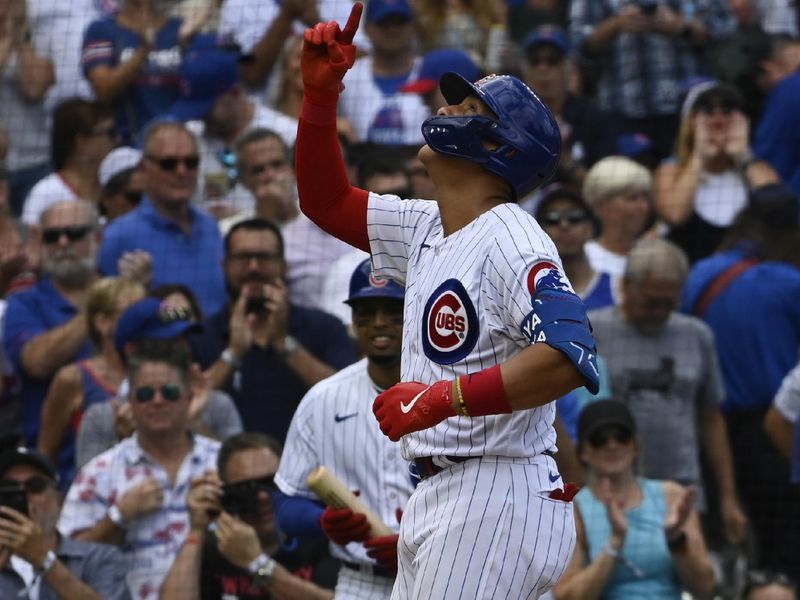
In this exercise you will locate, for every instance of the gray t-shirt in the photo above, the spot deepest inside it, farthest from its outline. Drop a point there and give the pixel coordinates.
(96, 433)
(664, 379)
(787, 400)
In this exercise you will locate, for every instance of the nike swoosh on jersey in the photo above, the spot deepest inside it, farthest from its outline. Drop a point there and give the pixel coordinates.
(554, 478)
(407, 407)
(340, 418)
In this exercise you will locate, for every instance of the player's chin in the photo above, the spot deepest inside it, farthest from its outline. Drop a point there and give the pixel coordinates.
(384, 358)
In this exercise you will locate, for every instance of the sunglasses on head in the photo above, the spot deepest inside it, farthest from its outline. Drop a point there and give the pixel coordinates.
(33, 485)
(170, 392)
(572, 217)
(51, 235)
(601, 437)
(170, 163)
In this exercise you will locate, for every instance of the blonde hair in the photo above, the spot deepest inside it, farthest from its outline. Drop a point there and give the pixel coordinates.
(103, 299)
(615, 175)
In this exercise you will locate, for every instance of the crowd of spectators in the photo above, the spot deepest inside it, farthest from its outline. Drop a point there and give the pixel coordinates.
(152, 254)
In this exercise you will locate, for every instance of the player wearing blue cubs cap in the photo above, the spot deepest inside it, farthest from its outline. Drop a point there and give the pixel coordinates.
(493, 332)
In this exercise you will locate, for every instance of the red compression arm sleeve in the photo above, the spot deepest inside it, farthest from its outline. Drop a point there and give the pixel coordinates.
(326, 196)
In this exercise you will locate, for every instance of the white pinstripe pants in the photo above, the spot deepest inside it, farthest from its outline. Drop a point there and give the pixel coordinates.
(485, 528)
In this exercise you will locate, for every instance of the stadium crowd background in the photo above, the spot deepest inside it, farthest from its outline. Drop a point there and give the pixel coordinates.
(145, 142)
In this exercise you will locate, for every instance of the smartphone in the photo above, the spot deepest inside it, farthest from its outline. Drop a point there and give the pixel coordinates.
(256, 305)
(14, 497)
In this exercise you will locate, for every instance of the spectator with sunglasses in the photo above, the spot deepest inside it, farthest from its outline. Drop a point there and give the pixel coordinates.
(134, 494)
(82, 134)
(663, 365)
(121, 181)
(36, 561)
(45, 326)
(637, 537)
(166, 239)
(699, 192)
(246, 555)
(768, 585)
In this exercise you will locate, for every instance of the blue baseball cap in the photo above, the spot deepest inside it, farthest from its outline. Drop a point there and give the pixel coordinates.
(377, 10)
(365, 284)
(151, 318)
(547, 34)
(438, 62)
(205, 75)
(631, 144)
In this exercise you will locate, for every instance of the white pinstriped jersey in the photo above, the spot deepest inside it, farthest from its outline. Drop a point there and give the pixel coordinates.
(334, 426)
(468, 307)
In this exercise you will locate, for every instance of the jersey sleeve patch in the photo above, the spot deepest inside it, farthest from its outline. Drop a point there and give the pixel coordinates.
(546, 276)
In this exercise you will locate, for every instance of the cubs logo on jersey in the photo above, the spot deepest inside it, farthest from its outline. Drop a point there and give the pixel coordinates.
(449, 324)
(547, 276)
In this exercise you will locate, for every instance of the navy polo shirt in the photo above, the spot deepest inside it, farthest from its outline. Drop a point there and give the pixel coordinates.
(265, 389)
(194, 260)
(29, 314)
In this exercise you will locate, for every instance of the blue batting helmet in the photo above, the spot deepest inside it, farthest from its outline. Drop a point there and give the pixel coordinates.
(365, 284)
(525, 133)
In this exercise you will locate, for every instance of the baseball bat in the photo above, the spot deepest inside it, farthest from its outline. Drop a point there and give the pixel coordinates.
(335, 494)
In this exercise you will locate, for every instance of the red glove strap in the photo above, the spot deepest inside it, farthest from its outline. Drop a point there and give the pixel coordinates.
(319, 106)
(484, 393)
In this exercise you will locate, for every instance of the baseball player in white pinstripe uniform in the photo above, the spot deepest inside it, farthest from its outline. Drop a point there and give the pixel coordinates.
(334, 427)
(493, 332)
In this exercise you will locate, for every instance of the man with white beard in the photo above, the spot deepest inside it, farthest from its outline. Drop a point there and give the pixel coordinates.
(45, 325)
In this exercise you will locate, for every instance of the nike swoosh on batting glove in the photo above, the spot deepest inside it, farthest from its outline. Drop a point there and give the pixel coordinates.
(411, 406)
(343, 526)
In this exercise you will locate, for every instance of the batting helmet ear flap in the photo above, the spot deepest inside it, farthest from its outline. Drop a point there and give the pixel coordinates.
(524, 139)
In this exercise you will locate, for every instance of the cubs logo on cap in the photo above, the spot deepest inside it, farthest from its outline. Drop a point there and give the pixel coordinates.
(377, 281)
(449, 324)
(547, 276)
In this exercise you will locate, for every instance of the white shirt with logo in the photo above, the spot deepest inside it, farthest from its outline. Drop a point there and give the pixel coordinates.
(468, 307)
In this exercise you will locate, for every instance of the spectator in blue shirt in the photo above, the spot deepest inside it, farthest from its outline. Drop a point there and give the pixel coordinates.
(165, 239)
(263, 350)
(45, 325)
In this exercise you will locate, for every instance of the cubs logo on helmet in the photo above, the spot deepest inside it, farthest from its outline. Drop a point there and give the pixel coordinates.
(449, 324)
(547, 276)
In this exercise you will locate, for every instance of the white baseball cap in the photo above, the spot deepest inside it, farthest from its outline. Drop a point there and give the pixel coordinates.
(117, 161)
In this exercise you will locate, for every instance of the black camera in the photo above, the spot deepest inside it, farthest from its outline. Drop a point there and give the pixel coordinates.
(256, 305)
(242, 498)
(648, 7)
(14, 496)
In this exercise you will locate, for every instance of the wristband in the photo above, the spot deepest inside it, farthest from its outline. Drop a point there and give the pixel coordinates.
(48, 562)
(262, 568)
(115, 516)
(230, 359)
(483, 393)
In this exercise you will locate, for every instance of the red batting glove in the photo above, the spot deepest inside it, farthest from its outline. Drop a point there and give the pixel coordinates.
(343, 526)
(328, 52)
(412, 406)
(383, 550)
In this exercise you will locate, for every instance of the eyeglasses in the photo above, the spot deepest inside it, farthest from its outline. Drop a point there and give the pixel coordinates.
(259, 257)
(133, 196)
(74, 233)
(36, 484)
(170, 163)
(251, 487)
(572, 217)
(170, 392)
(273, 165)
(600, 438)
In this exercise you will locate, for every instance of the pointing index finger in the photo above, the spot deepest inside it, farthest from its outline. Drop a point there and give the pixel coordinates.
(345, 36)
